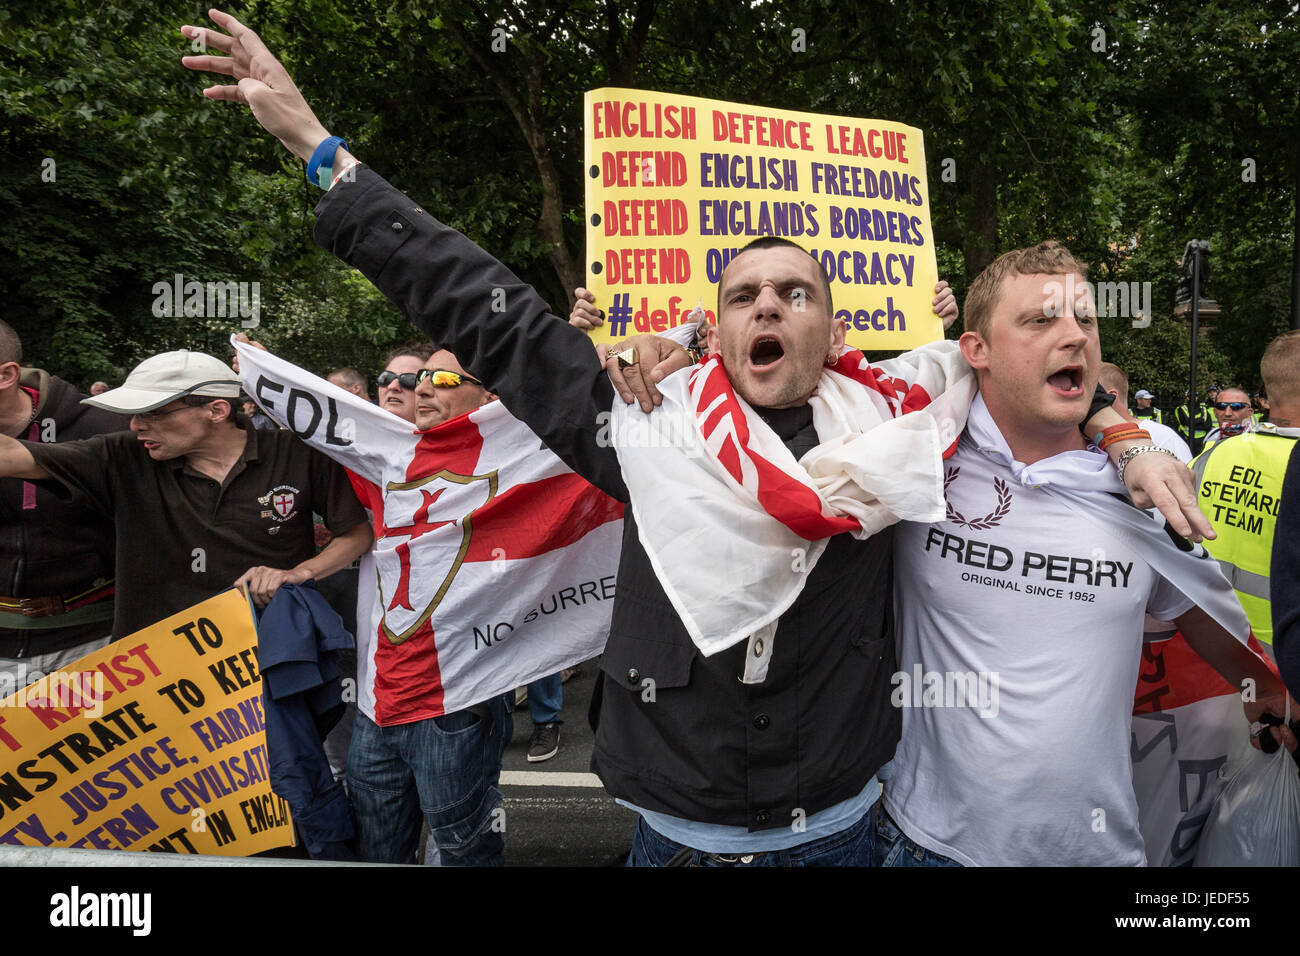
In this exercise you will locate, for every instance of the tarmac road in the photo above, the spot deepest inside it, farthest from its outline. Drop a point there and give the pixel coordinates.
(556, 811)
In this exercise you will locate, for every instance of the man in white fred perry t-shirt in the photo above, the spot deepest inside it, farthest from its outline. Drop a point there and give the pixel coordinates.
(1020, 615)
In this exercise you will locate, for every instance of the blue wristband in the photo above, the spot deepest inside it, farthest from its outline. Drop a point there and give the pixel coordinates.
(324, 154)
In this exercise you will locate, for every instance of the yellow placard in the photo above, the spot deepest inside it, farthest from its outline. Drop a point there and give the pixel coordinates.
(676, 185)
(155, 742)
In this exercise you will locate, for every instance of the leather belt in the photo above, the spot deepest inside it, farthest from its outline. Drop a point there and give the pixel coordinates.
(51, 604)
(33, 606)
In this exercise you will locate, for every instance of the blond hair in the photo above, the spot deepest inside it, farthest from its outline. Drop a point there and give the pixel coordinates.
(1109, 376)
(1046, 258)
(1280, 368)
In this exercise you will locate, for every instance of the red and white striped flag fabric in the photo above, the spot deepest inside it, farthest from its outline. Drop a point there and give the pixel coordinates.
(1187, 733)
(732, 523)
(494, 562)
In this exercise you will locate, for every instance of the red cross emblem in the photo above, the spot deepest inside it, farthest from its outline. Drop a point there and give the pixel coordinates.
(283, 504)
(414, 575)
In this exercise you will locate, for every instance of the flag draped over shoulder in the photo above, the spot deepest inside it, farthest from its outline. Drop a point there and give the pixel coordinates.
(494, 562)
(732, 523)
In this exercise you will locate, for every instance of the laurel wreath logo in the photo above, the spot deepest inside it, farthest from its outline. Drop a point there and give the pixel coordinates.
(991, 519)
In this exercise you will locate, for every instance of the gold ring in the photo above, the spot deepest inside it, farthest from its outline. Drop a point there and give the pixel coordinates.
(626, 358)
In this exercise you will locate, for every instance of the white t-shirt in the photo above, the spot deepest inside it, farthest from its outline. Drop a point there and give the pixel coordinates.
(1017, 603)
(1168, 439)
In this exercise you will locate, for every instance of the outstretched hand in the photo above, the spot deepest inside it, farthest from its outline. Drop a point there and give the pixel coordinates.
(264, 86)
(1163, 482)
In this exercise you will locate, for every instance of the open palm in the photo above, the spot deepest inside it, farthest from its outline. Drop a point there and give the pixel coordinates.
(264, 85)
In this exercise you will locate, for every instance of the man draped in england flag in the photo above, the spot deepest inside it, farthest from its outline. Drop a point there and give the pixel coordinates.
(494, 565)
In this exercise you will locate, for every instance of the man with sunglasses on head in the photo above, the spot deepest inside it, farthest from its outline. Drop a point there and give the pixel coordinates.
(1233, 411)
(202, 500)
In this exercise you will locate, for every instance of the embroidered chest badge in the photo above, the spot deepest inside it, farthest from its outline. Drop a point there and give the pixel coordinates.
(282, 501)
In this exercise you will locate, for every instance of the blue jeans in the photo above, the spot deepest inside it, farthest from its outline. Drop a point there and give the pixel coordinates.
(893, 848)
(852, 846)
(444, 768)
(545, 698)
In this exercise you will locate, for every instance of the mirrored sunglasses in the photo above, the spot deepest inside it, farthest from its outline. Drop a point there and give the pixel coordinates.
(445, 379)
(1235, 406)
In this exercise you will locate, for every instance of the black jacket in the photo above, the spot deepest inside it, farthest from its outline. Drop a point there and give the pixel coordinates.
(1284, 579)
(48, 545)
(703, 746)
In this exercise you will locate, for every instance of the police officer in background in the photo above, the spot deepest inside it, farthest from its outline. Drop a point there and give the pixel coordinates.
(1192, 421)
(1240, 482)
(1144, 410)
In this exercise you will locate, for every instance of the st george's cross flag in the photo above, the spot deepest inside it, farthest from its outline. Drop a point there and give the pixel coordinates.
(713, 486)
(494, 563)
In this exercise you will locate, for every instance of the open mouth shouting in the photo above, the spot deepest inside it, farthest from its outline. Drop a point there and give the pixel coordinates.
(766, 351)
(1067, 382)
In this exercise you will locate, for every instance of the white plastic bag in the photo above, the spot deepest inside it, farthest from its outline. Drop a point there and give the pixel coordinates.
(1256, 820)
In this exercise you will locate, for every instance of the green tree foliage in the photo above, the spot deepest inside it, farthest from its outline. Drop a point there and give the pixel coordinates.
(1118, 128)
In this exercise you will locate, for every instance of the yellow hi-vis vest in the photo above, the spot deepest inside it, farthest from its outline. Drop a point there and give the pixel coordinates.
(1239, 481)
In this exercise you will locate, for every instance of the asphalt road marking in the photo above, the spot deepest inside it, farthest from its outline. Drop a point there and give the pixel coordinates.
(544, 778)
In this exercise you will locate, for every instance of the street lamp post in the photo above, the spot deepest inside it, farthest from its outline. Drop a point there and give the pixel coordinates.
(1196, 269)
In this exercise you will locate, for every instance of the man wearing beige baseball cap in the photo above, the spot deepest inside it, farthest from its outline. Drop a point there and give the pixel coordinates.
(201, 500)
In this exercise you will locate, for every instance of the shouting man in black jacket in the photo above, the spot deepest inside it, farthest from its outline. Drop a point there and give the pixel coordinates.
(724, 765)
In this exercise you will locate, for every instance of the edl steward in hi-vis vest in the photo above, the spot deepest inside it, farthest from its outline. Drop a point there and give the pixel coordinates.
(1240, 482)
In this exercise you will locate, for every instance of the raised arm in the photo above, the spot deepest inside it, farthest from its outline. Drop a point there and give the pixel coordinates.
(545, 372)
(17, 462)
(263, 84)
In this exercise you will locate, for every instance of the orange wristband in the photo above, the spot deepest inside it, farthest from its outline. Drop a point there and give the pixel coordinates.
(1136, 434)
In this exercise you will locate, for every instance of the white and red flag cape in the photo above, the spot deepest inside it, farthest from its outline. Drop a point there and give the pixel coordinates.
(733, 524)
(494, 562)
